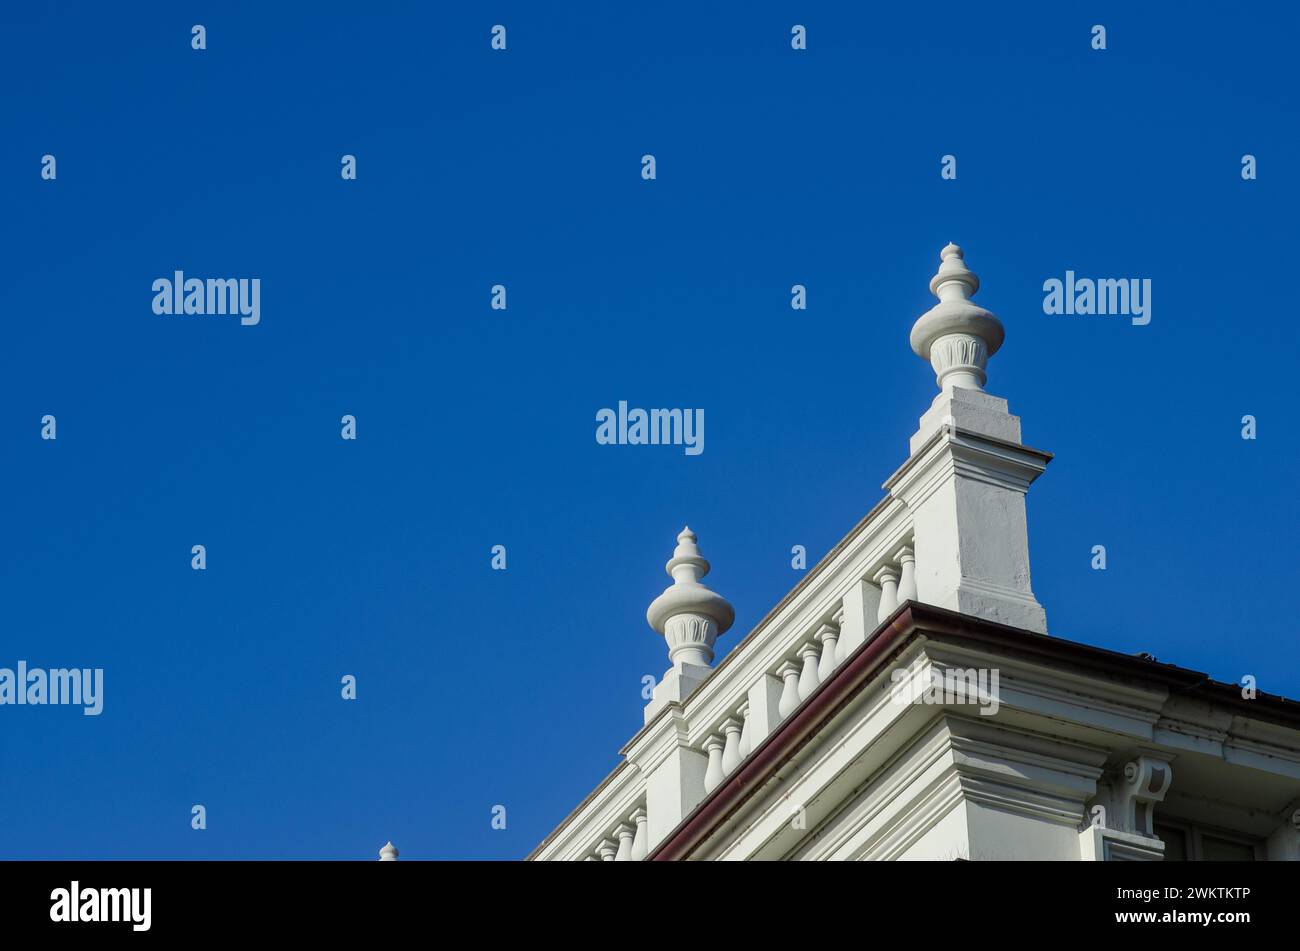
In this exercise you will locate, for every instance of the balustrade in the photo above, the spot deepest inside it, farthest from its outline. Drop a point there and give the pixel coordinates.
(800, 674)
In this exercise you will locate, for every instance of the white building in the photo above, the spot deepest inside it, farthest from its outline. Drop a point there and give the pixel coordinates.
(906, 701)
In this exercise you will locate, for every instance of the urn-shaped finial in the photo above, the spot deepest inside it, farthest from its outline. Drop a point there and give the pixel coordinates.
(956, 335)
(688, 614)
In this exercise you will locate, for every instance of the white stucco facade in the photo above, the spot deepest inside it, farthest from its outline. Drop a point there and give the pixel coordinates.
(906, 701)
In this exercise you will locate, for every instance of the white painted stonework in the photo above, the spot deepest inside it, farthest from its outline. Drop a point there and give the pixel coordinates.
(851, 723)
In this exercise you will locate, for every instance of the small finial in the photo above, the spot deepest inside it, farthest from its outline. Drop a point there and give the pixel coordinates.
(960, 281)
(388, 853)
(687, 550)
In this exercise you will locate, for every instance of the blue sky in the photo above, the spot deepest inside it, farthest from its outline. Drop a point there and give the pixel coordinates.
(476, 427)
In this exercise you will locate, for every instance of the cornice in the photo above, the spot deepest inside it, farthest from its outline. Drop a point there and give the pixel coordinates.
(951, 450)
(909, 622)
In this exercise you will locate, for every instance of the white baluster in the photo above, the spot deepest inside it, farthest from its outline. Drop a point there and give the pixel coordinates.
(827, 635)
(625, 835)
(731, 752)
(639, 841)
(713, 775)
(907, 576)
(887, 578)
(745, 746)
(841, 649)
(607, 850)
(808, 679)
(789, 672)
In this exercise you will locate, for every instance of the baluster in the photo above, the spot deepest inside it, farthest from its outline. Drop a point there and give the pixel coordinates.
(789, 672)
(639, 840)
(907, 577)
(713, 775)
(808, 679)
(607, 850)
(841, 648)
(887, 578)
(827, 635)
(625, 835)
(731, 751)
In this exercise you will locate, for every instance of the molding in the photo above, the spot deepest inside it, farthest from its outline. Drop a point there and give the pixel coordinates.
(1109, 845)
(984, 458)
(910, 622)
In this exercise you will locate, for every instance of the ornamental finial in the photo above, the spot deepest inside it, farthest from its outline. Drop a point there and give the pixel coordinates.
(956, 335)
(688, 614)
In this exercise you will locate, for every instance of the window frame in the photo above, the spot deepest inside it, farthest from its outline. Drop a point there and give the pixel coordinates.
(1193, 833)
